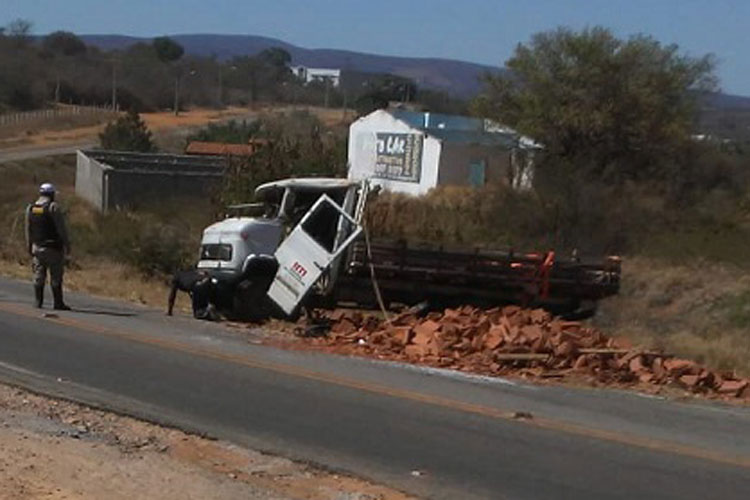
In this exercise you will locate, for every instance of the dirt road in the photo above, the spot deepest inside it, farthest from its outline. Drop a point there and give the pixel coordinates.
(39, 143)
(54, 449)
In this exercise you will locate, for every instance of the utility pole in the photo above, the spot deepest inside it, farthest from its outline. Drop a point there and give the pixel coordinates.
(328, 86)
(346, 99)
(114, 85)
(220, 93)
(177, 95)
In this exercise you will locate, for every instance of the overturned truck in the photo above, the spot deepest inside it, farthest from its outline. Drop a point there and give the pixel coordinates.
(304, 246)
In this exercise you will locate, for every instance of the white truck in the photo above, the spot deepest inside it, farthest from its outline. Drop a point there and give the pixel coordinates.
(302, 247)
(301, 234)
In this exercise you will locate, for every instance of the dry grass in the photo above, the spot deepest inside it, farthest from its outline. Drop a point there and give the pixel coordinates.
(40, 126)
(93, 269)
(105, 278)
(700, 311)
(167, 120)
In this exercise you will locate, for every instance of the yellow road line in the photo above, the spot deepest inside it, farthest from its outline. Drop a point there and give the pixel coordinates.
(486, 411)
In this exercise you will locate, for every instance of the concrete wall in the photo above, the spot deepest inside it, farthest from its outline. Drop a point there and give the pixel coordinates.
(90, 180)
(456, 160)
(130, 185)
(134, 189)
(363, 153)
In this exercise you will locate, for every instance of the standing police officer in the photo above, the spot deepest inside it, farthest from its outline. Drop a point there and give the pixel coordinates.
(47, 242)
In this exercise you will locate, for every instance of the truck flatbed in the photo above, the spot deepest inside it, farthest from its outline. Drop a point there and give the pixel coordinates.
(413, 273)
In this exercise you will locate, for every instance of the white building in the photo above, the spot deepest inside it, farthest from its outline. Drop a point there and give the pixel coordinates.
(309, 75)
(412, 152)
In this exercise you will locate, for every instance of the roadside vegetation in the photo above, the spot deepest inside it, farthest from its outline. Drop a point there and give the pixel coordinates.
(39, 72)
(132, 254)
(127, 133)
(123, 254)
(621, 173)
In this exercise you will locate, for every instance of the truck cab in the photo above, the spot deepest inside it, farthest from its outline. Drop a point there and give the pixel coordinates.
(240, 251)
(228, 246)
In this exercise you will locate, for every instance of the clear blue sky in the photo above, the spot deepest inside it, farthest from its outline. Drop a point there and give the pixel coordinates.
(484, 31)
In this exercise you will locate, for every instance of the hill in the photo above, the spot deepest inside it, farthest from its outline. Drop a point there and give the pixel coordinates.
(459, 78)
(726, 116)
(723, 115)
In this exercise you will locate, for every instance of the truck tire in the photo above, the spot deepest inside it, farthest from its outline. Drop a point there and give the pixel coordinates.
(250, 302)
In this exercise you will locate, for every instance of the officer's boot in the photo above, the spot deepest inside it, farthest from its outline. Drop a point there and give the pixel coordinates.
(57, 293)
(38, 296)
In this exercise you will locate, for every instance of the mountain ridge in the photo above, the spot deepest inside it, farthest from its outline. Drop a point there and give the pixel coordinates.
(460, 78)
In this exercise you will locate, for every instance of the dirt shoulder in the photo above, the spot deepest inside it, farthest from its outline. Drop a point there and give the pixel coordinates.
(55, 449)
(157, 122)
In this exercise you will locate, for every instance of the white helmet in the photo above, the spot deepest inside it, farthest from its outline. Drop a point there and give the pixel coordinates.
(47, 189)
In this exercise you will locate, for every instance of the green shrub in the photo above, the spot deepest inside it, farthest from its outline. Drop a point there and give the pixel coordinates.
(233, 132)
(153, 245)
(127, 133)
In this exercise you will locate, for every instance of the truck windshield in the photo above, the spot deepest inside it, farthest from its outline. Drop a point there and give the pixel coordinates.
(216, 252)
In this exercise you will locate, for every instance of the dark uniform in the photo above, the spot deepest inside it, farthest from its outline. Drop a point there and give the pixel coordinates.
(47, 242)
(201, 289)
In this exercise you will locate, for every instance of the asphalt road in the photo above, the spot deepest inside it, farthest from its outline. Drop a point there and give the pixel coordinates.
(383, 421)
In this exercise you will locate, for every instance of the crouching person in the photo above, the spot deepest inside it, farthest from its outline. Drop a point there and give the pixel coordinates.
(201, 288)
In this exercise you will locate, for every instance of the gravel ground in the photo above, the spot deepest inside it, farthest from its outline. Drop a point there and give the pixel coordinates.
(51, 449)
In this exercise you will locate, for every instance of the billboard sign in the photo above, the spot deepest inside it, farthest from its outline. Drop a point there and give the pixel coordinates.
(399, 157)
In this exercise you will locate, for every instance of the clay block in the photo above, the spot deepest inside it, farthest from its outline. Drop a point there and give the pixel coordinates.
(343, 327)
(427, 326)
(493, 340)
(676, 367)
(401, 334)
(510, 310)
(689, 381)
(646, 377)
(565, 349)
(539, 316)
(733, 387)
(581, 363)
(414, 351)
(657, 367)
(636, 365)
(533, 332)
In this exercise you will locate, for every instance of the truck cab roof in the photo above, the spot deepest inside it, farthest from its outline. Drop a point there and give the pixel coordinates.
(304, 184)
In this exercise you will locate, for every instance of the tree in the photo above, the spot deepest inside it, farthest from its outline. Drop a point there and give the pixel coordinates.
(615, 109)
(19, 28)
(127, 133)
(274, 70)
(382, 90)
(276, 57)
(167, 50)
(65, 43)
(19, 31)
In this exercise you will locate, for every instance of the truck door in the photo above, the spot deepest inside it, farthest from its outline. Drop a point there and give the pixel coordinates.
(309, 250)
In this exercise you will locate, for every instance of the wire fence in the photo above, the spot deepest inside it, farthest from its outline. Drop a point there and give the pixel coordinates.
(42, 115)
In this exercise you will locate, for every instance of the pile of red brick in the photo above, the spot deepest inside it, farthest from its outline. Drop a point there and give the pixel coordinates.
(515, 341)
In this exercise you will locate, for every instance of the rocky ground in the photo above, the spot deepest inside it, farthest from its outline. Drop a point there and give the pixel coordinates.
(52, 449)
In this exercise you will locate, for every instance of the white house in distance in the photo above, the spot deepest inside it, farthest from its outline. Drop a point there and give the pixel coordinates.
(309, 75)
(413, 152)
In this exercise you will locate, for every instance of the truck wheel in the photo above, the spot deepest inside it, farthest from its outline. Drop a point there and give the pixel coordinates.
(250, 302)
